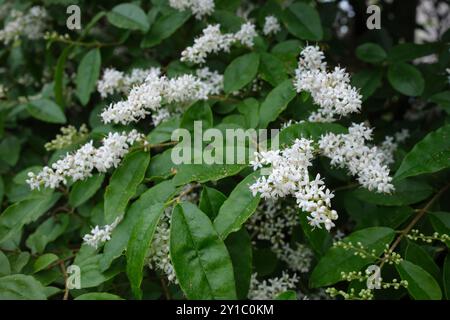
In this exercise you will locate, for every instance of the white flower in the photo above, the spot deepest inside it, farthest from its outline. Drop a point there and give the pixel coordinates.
(331, 91)
(114, 81)
(213, 40)
(79, 165)
(289, 176)
(30, 25)
(350, 151)
(69, 135)
(149, 97)
(298, 258)
(271, 25)
(100, 235)
(199, 8)
(271, 288)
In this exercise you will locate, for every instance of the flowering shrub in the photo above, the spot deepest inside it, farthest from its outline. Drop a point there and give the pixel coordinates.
(345, 199)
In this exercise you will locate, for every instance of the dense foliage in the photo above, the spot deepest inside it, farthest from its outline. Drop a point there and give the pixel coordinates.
(95, 207)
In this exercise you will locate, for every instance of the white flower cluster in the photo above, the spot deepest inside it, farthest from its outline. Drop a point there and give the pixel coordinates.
(79, 165)
(199, 8)
(271, 288)
(350, 151)
(289, 176)
(114, 81)
(158, 256)
(390, 144)
(100, 235)
(30, 25)
(298, 258)
(213, 40)
(271, 25)
(331, 91)
(147, 98)
(69, 135)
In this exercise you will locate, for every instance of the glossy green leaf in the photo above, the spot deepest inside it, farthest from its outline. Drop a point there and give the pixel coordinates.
(210, 201)
(164, 27)
(446, 277)
(303, 21)
(202, 172)
(371, 52)
(98, 296)
(87, 75)
(46, 110)
(128, 16)
(21, 287)
(287, 295)
(124, 183)
(406, 79)
(5, 267)
(419, 256)
(421, 285)
(429, 155)
(200, 258)
(240, 72)
(83, 190)
(139, 244)
(239, 206)
(309, 130)
(272, 69)
(44, 261)
(368, 81)
(276, 102)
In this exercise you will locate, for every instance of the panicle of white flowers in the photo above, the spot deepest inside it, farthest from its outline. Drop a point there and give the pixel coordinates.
(199, 8)
(271, 25)
(288, 175)
(213, 40)
(159, 255)
(148, 98)
(350, 151)
(331, 91)
(273, 222)
(69, 135)
(390, 145)
(299, 258)
(30, 25)
(271, 288)
(100, 235)
(80, 164)
(114, 81)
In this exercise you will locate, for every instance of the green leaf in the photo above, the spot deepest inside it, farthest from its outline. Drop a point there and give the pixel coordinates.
(371, 52)
(309, 130)
(46, 110)
(406, 192)
(44, 261)
(10, 150)
(98, 296)
(240, 72)
(203, 172)
(368, 81)
(124, 183)
(121, 234)
(128, 16)
(421, 285)
(138, 245)
(287, 295)
(16, 216)
(419, 256)
(59, 76)
(429, 155)
(409, 51)
(201, 261)
(5, 267)
(272, 69)
(337, 260)
(319, 239)
(83, 190)
(276, 102)
(442, 99)
(239, 247)
(163, 132)
(21, 287)
(239, 206)
(446, 276)
(47, 232)
(164, 27)
(199, 111)
(440, 221)
(303, 21)
(210, 201)
(406, 79)
(87, 75)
